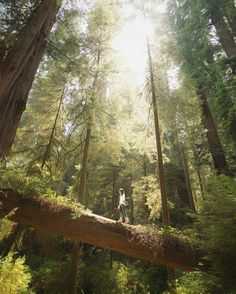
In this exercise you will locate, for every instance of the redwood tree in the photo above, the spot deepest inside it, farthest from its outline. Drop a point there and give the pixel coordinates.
(18, 69)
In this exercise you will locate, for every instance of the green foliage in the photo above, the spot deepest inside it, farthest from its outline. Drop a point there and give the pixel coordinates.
(140, 278)
(147, 199)
(195, 283)
(78, 70)
(32, 185)
(216, 225)
(5, 227)
(14, 276)
(96, 277)
(131, 280)
(200, 55)
(37, 186)
(50, 277)
(13, 17)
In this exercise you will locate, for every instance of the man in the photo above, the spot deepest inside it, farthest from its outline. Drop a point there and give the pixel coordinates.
(121, 205)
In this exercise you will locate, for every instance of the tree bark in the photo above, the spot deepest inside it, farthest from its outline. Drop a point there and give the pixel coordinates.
(82, 181)
(164, 202)
(144, 164)
(83, 172)
(225, 36)
(186, 175)
(18, 70)
(165, 210)
(114, 204)
(200, 181)
(49, 145)
(73, 269)
(160, 248)
(214, 143)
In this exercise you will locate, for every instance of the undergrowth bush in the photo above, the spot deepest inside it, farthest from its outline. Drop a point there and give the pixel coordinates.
(216, 224)
(14, 276)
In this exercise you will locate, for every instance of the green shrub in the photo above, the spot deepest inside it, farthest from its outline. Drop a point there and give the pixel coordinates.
(216, 225)
(195, 283)
(14, 276)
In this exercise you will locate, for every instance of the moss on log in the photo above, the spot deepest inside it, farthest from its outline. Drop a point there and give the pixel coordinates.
(141, 243)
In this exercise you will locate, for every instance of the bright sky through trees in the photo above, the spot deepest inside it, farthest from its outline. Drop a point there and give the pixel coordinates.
(130, 45)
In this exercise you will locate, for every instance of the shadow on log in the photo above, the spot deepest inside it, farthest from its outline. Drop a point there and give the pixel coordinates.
(134, 241)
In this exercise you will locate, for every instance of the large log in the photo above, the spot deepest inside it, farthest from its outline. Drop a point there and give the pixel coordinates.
(142, 243)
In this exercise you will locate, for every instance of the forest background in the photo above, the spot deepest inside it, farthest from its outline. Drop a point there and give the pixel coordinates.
(89, 129)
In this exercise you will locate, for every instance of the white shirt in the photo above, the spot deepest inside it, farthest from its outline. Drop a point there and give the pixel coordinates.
(122, 199)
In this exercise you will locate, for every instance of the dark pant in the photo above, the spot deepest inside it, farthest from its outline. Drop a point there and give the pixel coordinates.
(122, 213)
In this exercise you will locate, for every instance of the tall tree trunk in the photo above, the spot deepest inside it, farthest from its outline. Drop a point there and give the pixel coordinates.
(186, 175)
(113, 189)
(225, 97)
(83, 172)
(113, 209)
(18, 70)
(181, 175)
(200, 181)
(214, 143)
(197, 161)
(165, 210)
(144, 164)
(73, 269)
(2, 51)
(225, 36)
(132, 219)
(111, 260)
(82, 181)
(164, 203)
(49, 145)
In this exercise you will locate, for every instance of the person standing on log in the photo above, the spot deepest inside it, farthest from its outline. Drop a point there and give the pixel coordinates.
(122, 204)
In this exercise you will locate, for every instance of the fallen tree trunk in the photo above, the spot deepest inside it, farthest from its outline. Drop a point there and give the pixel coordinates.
(141, 243)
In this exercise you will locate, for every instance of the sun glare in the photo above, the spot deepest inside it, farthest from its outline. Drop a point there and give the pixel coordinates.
(130, 47)
(130, 44)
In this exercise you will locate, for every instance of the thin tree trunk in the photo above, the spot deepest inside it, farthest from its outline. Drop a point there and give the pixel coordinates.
(132, 219)
(74, 266)
(200, 182)
(145, 165)
(214, 143)
(111, 260)
(2, 51)
(82, 181)
(83, 172)
(49, 145)
(18, 70)
(165, 211)
(196, 162)
(186, 174)
(113, 189)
